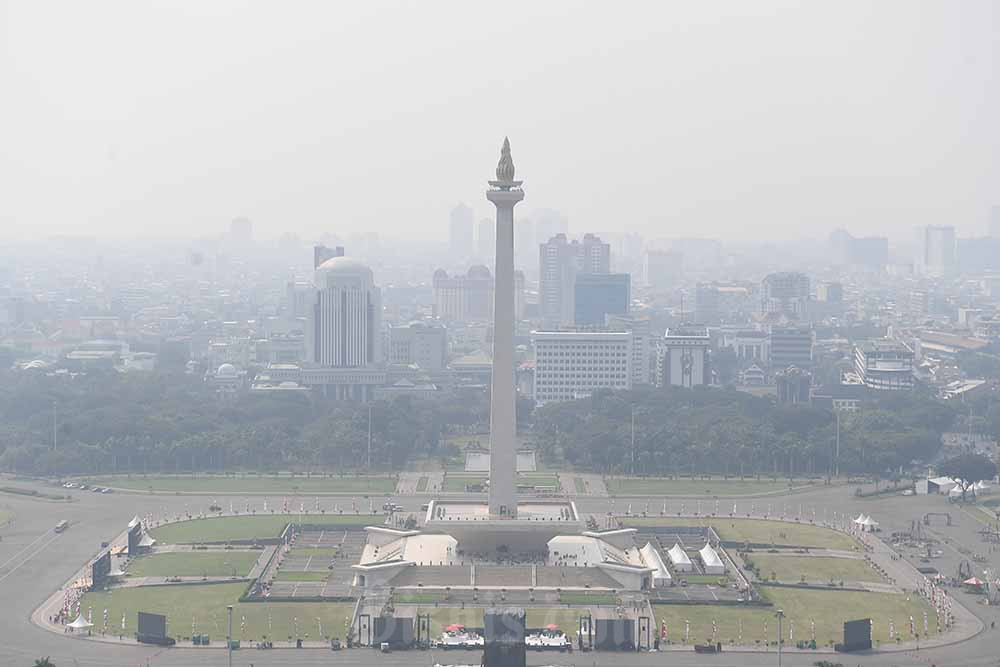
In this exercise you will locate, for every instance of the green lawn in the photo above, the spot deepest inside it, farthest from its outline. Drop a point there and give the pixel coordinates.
(759, 530)
(248, 527)
(194, 564)
(422, 484)
(790, 569)
(301, 576)
(581, 487)
(827, 609)
(205, 607)
(5, 517)
(657, 486)
(568, 620)
(253, 484)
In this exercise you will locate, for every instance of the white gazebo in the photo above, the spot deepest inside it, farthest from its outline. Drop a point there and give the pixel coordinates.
(710, 559)
(679, 559)
(81, 623)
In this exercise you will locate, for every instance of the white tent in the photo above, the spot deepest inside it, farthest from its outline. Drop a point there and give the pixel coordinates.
(861, 519)
(146, 541)
(81, 623)
(956, 492)
(710, 559)
(981, 485)
(679, 559)
(869, 524)
(661, 576)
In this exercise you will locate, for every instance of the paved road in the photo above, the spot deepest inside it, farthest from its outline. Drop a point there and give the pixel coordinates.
(34, 562)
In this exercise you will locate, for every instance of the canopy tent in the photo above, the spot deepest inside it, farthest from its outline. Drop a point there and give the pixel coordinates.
(81, 623)
(973, 582)
(981, 485)
(146, 541)
(869, 524)
(679, 559)
(661, 575)
(710, 559)
(956, 492)
(861, 519)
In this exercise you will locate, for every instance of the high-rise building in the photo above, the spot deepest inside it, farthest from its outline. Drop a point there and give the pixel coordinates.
(467, 298)
(486, 240)
(683, 356)
(559, 262)
(785, 294)
(425, 345)
(937, 250)
(460, 232)
(706, 304)
(790, 346)
(643, 345)
(599, 294)
(663, 268)
(574, 364)
(344, 330)
(884, 364)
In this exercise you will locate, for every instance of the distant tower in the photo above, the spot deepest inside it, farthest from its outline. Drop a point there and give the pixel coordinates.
(460, 231)
(504, 192)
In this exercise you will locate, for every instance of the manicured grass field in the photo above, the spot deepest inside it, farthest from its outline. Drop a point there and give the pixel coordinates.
(253, 484)
(194, 564)
(421, 485)
(760, 531)
(248, 527)
(657, 486)
(568, 620)
(301, 576)
(827, 609)
(790, 569)
(205, 607)
(581, 487)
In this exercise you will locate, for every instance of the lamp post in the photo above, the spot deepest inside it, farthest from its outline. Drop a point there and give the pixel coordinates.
(229, 637)
(780, 614)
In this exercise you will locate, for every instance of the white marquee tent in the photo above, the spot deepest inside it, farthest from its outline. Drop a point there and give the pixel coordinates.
(710, 559)
(679, 559)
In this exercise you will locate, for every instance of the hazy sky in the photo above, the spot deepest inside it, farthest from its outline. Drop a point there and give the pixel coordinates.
(735, 119)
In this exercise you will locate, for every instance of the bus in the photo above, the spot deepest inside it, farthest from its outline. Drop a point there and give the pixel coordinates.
(62, 525)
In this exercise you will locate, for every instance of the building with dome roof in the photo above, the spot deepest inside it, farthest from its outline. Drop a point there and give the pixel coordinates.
(464, 298)
(343, 331)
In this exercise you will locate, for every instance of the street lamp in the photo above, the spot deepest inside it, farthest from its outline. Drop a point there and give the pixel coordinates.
(229, 638)
(780, 614)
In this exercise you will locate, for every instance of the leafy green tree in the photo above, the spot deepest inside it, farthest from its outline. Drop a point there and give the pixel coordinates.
(967, 469)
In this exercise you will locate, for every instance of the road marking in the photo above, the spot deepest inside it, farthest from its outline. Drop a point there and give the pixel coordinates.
(40, 550)
(32, 543)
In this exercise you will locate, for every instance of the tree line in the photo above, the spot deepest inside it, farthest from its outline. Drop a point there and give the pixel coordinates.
(725, 431)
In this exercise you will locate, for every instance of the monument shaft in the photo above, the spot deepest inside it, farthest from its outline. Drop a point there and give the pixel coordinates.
(505, 193)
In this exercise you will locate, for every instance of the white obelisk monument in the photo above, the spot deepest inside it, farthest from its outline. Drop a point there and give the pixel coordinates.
(504, 192)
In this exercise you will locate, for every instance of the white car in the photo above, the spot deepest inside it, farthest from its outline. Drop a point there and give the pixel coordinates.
(908, 492)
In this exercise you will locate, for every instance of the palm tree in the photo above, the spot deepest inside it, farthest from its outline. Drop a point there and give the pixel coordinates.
(44, 662)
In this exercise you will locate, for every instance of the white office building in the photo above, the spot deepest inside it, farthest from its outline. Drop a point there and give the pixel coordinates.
(574, 364)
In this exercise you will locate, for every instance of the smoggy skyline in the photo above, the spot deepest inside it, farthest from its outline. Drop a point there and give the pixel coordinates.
(733, 120)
